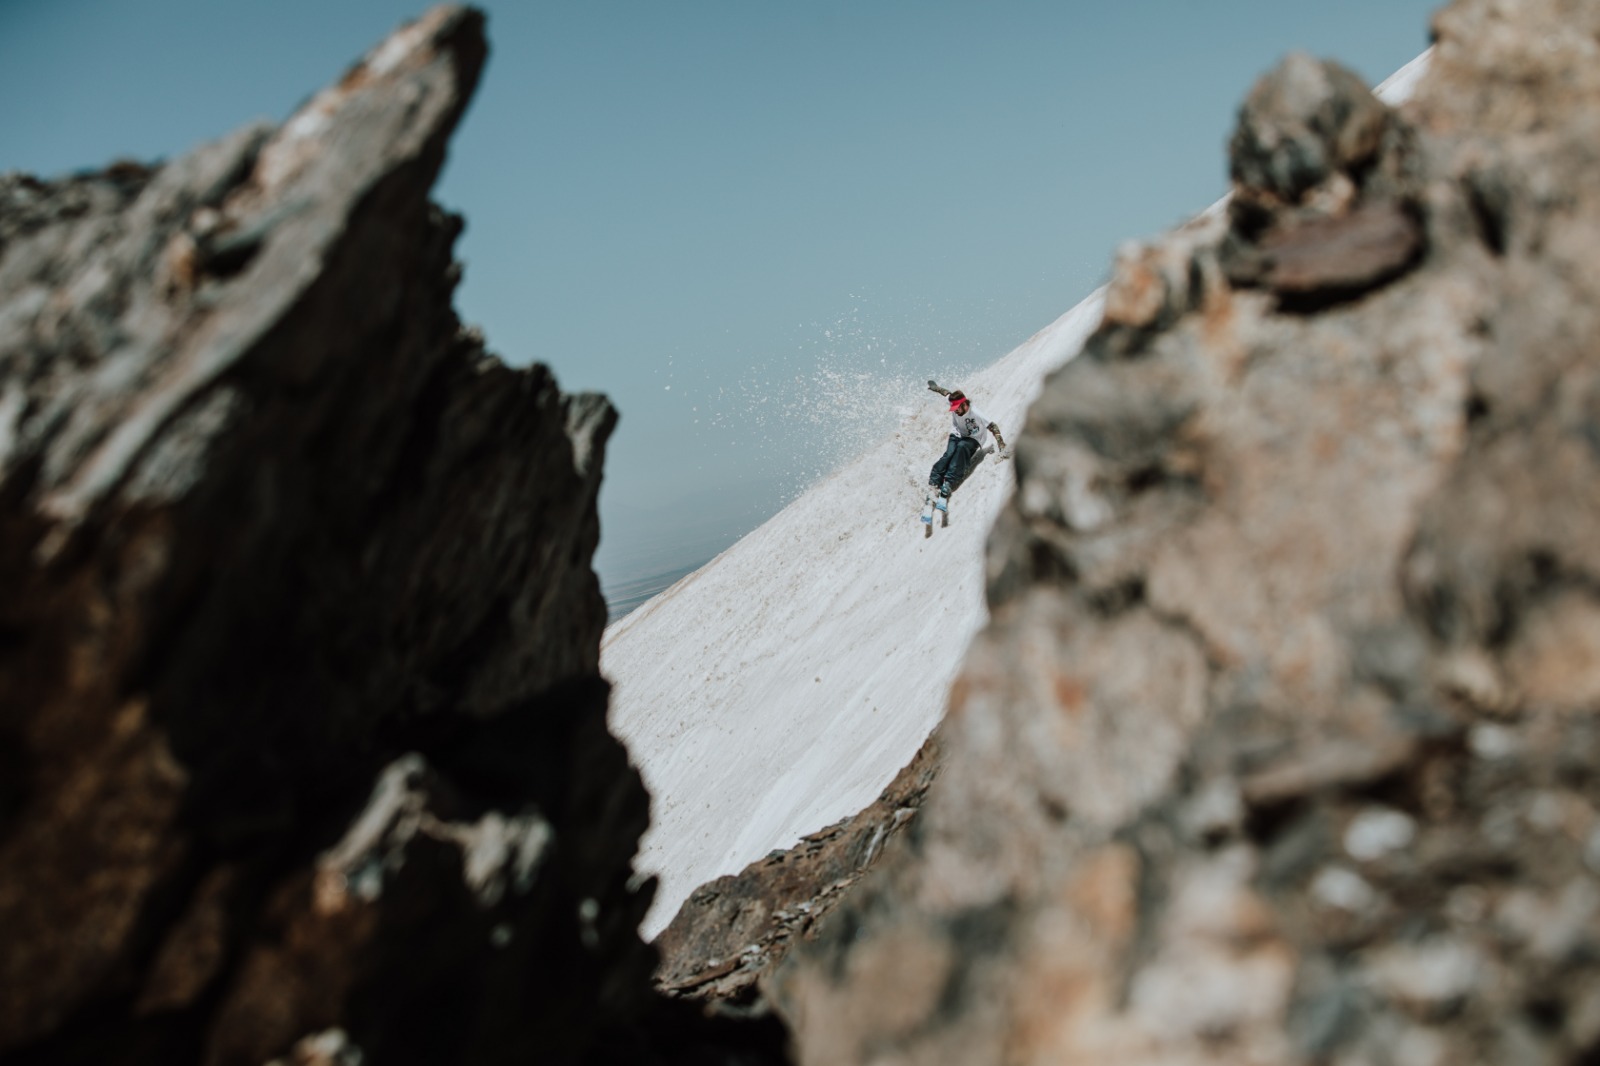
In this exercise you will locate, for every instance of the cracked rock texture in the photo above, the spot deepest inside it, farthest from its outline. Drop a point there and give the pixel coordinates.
(302, 742)
(1283, 743)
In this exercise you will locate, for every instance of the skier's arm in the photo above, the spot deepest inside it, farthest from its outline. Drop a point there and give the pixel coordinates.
(994, 427)
(933, 386)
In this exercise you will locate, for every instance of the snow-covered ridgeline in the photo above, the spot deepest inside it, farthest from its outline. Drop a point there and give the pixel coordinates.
(780, 687)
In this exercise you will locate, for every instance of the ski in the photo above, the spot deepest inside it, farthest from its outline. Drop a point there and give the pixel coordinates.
(927, 515)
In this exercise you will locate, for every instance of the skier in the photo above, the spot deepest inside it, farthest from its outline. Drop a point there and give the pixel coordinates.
(971, 427)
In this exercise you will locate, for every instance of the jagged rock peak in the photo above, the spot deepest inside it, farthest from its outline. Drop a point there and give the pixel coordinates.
(302, 733)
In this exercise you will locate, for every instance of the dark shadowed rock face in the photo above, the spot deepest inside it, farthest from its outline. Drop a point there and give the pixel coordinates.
(302, 745)
(1282, 745)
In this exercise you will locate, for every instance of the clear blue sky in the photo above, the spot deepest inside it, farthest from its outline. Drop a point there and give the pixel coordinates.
(716, 210)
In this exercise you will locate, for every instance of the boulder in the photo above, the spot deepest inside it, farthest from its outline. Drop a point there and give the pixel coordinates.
(1281, 744)
(1306, 124)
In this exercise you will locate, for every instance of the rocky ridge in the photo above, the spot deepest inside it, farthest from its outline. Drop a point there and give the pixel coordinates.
(301, 720)
(729, 935)
(1281, 744)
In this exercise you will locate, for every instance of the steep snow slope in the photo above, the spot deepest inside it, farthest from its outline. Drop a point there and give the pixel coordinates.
(766, 695)
(780, 687)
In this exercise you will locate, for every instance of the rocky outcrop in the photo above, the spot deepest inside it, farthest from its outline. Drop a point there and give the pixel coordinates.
(304, 755)
(730, 934)
(1281, 745)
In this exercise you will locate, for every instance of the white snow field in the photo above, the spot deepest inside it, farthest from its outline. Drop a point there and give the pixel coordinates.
(780, 687)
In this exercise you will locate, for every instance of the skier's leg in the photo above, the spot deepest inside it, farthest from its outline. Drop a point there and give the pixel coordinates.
(956, 472)
(972, 466)
(938, 473)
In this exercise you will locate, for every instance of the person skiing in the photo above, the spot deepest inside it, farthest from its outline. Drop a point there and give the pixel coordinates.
(970, 428)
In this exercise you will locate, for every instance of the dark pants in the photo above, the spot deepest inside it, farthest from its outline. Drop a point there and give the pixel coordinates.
(952, 465)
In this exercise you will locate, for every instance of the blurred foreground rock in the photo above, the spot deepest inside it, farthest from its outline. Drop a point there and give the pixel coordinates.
(302, 742)
(1282, 745)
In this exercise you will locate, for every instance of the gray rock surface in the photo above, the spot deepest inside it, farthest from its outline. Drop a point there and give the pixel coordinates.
(1281, 745)
(302, 742)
